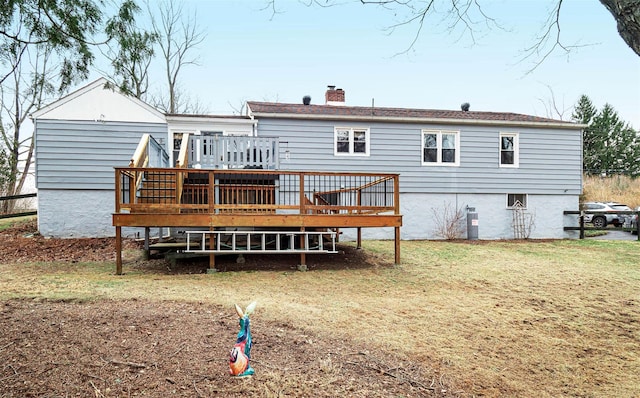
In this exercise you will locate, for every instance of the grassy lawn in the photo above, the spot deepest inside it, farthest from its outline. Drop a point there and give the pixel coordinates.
(8, 222)
(544, 319)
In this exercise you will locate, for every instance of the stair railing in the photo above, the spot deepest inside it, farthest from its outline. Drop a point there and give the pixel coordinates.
(140, 158)
(183, 157)
(182, 163)
(148, 153)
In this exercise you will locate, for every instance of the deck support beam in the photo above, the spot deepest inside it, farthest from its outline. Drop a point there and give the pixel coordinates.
(147, 244)
(212, 256)
(397, 246)
(359, 239)
(303, 255)
(118, 250)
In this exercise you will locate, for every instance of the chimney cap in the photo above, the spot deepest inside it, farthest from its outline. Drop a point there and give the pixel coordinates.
(330, 87)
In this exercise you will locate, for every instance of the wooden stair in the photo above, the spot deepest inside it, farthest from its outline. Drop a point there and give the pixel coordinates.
(158, 187)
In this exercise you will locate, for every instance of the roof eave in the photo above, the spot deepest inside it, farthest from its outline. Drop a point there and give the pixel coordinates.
(205, 118)
(100, 82)
(482, 122)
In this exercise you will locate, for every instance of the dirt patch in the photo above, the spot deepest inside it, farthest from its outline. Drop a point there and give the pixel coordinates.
(22, 242)
(160, 349)
(134, 348)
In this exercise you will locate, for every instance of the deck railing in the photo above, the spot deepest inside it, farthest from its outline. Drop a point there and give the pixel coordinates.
(188, 191)
(149, 153)
(233, 152)
(182, 162)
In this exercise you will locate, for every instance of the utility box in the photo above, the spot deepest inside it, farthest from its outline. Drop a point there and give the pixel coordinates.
(472, 223)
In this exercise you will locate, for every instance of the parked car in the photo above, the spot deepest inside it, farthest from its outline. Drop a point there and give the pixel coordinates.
(631, 222)
(609, 214)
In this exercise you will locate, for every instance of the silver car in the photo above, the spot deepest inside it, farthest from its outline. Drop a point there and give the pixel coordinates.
(631, 223)
(609, 214)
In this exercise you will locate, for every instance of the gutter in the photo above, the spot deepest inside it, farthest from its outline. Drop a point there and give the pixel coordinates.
(476, 122)
(193, 119)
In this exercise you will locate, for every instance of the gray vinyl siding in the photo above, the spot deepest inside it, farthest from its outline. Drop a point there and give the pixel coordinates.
(82, 155)
(550, 159)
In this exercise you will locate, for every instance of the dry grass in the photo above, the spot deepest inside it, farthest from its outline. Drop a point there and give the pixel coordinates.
(615, 188)
(9, 222)
(543, 319)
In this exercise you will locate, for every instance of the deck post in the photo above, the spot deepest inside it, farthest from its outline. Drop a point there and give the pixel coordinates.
(118, 250)
(146, 242)
(359, 239)
(396, 203)
(397, 245)
(303, 256)
(212, 256)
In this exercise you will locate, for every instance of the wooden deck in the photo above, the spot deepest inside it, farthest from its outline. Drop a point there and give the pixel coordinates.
(261, 199)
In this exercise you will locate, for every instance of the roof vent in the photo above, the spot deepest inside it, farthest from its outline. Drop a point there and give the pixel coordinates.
(306, 100)
(465, 107)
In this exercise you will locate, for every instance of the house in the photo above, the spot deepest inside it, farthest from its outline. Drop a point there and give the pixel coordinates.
(79, 139)
(517, 172)
(106, 160)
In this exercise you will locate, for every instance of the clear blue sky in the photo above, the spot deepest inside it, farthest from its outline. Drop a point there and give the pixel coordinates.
(252, 54)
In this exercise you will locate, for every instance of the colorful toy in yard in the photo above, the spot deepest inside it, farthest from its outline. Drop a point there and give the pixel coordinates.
(241, 353)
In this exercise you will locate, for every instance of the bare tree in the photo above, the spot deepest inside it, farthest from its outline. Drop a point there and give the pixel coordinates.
(182, 100)
(24, 90)
(178, 38)
(554, 108)
(627, 16)
(130, 51)
(469, 17)
(239, 109)
(448, 222)
(44, 47)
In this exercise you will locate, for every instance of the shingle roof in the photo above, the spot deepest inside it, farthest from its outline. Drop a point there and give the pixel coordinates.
(271, 109)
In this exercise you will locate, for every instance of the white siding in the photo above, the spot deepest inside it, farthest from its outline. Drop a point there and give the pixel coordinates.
(88, 217)
(494, 220)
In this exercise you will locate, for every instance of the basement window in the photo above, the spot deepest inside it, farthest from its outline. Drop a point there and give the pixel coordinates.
(516, 200)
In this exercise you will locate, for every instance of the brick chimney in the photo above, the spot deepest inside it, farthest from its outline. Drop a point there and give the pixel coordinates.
(334, 96)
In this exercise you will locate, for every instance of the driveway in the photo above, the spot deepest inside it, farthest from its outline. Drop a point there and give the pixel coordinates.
(616, 235)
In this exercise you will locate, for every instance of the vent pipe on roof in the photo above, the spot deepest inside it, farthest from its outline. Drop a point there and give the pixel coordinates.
(465, 107)
(306, 100)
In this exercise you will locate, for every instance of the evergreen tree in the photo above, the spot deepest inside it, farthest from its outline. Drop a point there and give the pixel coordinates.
(610, 145)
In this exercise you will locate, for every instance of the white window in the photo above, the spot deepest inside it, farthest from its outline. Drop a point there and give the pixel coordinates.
(351, 142)
(440, 148)
(509, 150)
(516, 200)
